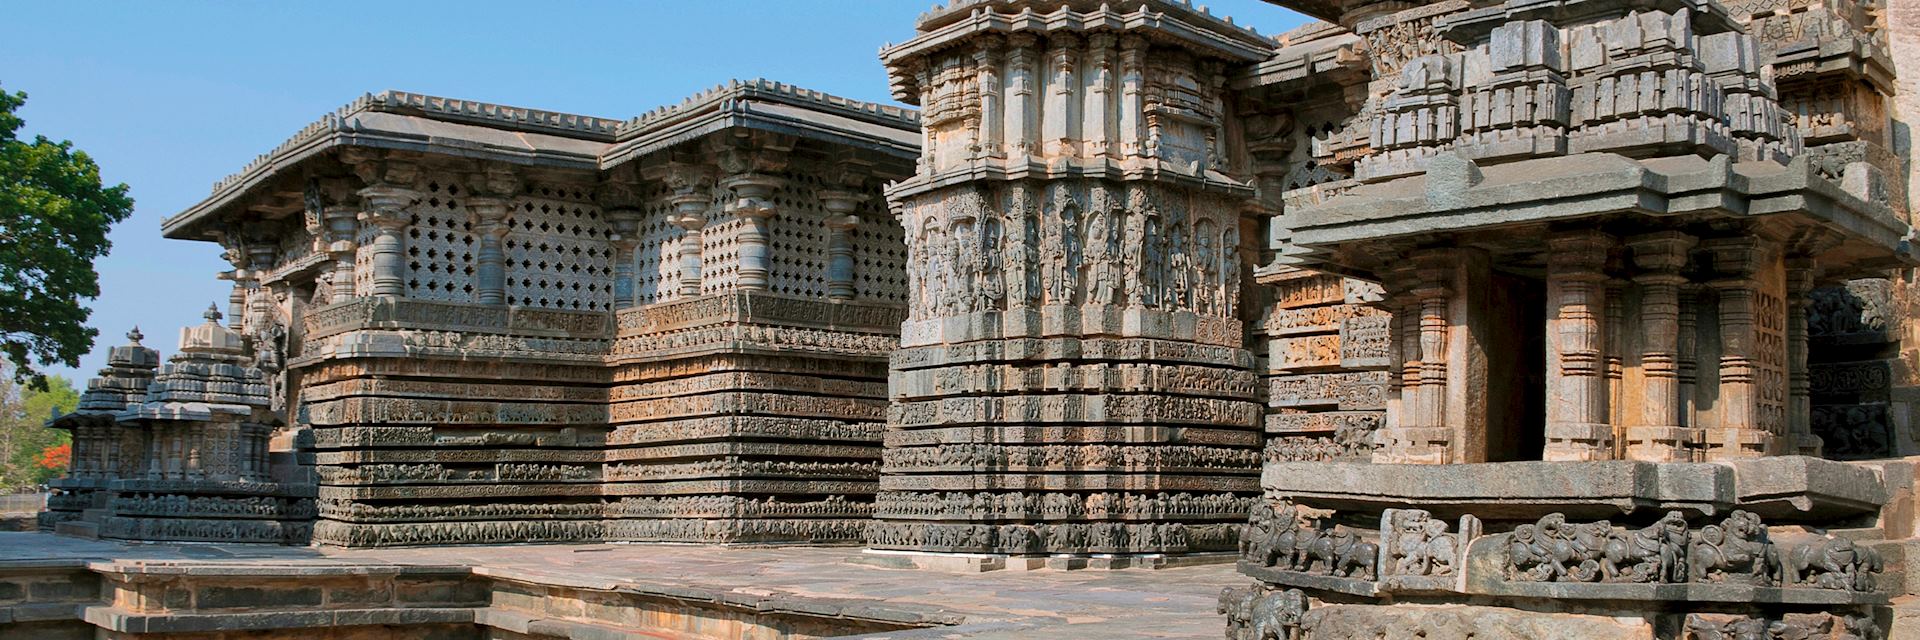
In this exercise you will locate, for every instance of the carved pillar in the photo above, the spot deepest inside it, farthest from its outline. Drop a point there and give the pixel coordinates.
(626, 229)
(841, 220)
(1403, 347)
(490, 270)
(1060, 122)
(753, 204)
(342, 223)
(1800, 277)
(987, 59)
(386, 209)
(1742, 431)
(1662, 435)
(1615, 337)
(1687, 366)
(1577, 427)
(690, 214)
(237, 297)
(1421, 433)
(1023, 106)
(1133, 81)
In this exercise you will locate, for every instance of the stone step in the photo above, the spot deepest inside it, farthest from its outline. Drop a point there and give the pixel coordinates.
(78, 529)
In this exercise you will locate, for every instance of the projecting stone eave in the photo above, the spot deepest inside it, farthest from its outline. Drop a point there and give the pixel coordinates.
(771, 106)
(1861, 238)
(1163, 22)
(398, 120)
(1328, 10)
(1335, 57)
(1474, 26)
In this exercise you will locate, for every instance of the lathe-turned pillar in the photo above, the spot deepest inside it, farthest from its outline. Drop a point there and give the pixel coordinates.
(841, 221)
(342, 244)
(690, 215)
(1443, 310)
(490, 270)
(386, 209)
(1661, 434)
(1577, 425)
(753, 204)
(1751, 402)
(626, 229)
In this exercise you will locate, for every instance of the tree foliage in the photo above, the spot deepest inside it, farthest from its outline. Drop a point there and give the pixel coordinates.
(25, 441)
(54, 218)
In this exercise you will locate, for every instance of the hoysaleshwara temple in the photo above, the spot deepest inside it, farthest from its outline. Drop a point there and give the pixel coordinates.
(1521, 319)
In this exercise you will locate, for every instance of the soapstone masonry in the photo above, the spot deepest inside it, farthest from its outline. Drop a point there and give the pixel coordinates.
(1072, 375)
(487, 324)
(1468, 318)
(1609, 240)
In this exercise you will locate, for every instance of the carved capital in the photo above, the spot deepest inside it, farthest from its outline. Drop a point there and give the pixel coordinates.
(752, 195)
(386, 207)
(489, 215)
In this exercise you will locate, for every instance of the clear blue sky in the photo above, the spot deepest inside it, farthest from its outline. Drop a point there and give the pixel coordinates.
(169, 97)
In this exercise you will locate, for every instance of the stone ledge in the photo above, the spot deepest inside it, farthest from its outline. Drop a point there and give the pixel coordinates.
(114, 619)
(1798, 487)
(1505, 490)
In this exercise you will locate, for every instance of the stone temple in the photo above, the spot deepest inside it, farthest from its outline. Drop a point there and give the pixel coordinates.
(1493, 319)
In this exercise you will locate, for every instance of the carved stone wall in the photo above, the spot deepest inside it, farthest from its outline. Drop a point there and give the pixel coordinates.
(500, 338)
(1072, 376)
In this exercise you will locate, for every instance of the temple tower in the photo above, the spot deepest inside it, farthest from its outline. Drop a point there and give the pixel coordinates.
(1072, 377)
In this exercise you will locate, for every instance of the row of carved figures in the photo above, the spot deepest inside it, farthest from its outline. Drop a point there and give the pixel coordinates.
(1262, 613)
(1411, 543)
(1125, 256)
(1735, 550)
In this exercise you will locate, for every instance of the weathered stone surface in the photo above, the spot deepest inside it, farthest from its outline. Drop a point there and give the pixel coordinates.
(1522, 490)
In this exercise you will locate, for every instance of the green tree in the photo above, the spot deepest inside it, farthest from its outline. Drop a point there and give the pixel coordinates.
(54, 218)
(24, 412)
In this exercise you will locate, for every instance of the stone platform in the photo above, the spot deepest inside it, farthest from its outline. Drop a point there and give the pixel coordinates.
(60, 587)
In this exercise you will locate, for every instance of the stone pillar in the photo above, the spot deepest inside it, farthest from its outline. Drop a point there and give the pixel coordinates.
(1022, 104)
(1661, 435)
(987, 58)
(342, 224)
(1741, 431)
(690, 214)
(1800, 276)
(237, 300)
(386, 209)
(1421, 433)
(1687, 366)
(1133, 86)
(840, 223)
(1577, 427)
(753, 204)
(626, 229)
(490, 272)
